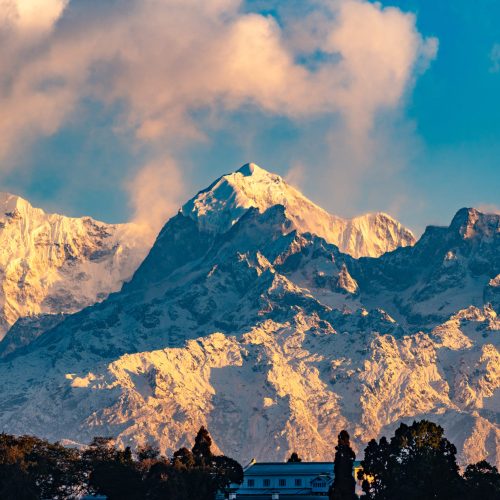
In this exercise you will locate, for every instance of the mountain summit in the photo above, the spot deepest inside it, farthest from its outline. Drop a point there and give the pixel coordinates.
(221, 205)
(243, 319)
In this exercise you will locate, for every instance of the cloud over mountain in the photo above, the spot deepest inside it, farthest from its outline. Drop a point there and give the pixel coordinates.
(162, 61)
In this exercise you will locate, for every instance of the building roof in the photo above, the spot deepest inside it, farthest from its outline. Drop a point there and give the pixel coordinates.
(295, 468)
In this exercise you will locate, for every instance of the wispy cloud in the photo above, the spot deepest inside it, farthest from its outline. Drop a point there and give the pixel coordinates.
(162, 60)
(156, 191)
(488, 208)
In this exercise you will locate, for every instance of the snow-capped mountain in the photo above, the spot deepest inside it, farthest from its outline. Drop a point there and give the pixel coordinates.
(221, 205)
(244, 320)
(51, 264)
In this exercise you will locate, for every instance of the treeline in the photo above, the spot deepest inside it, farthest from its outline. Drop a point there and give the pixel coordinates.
(417, 463)
(34, 469)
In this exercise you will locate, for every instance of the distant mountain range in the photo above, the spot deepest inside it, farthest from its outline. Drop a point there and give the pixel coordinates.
(253, 315)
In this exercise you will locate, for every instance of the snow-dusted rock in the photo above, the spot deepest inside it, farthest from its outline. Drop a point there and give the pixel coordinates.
(51, 264)
(220, 206)
(267, 333)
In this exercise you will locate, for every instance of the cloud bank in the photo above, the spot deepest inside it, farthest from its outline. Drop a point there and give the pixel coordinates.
(161, 61)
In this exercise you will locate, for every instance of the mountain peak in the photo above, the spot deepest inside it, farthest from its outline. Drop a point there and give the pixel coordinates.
(252, 168)
(217, 208)
(10, 202)
(220, 206)
(469, 221)
(464, 216)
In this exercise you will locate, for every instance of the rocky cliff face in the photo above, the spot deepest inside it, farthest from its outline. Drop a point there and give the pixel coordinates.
(267, 333)
(51, 264)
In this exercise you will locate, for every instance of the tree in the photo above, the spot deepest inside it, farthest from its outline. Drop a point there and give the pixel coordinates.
(32, 468)
(482, 481)
(418, 463)
(183, 459)
(294, 458)
(344, 484)
(375, 469)
(202, 452)
(227, 471)
(199, 473)
(147, 452)
(112, 472)
(16, 484)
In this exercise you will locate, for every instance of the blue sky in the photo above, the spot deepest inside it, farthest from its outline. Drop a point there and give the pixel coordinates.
(433, 149)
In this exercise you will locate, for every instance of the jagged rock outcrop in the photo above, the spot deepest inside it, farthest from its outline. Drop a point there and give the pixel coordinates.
(276, 340)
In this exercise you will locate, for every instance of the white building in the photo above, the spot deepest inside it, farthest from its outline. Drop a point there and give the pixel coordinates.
(283, 479)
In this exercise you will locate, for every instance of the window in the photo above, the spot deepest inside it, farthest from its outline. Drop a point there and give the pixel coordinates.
(298, 482)
(282, 482)
(267, 482)
(251, 483)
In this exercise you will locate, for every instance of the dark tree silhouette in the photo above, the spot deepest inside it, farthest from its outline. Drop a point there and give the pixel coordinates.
(202, 452)
(374, 473)
(34, 468)
(418, 463)
(183, 458)
(112, 472)
(344, 484)
(147, 452)
(482, 481)
(226, 471)
(294, 458)
(16, 483)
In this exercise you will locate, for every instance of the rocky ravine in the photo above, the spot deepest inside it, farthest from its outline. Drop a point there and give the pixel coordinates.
(276, 340)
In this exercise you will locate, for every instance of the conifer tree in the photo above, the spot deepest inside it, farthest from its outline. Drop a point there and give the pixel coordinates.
(344, 484)
(294, 458)
(202, 452)
(418, 463)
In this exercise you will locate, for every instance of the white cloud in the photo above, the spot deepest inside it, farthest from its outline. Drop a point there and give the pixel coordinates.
(163, 59)
(31, 17)
(296, 175)
(156, 192)
(380, 49)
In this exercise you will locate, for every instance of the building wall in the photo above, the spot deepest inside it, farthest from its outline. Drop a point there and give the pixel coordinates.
(287, 478)
(303, 478)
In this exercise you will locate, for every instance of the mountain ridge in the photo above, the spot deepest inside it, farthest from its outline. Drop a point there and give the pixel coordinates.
(55, 264)
(275, 340)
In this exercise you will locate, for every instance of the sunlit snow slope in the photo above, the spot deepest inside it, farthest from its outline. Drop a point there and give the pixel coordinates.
(51, 264)
(227, 199)
(244, 319)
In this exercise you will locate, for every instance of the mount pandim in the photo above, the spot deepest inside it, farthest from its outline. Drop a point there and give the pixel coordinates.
(255, 313)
